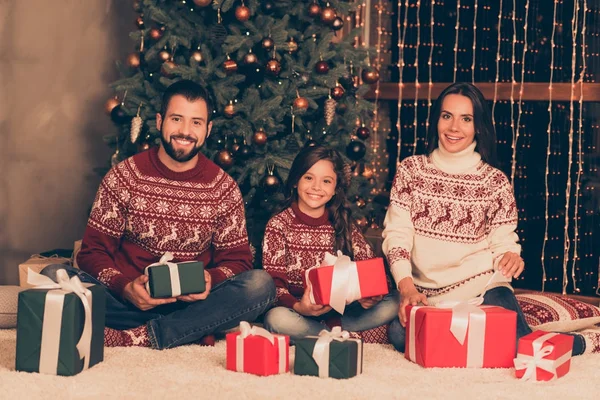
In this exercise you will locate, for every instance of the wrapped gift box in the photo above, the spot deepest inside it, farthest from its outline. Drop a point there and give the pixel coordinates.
(489, 341)
(48, 332)
(37, 263)
(371, 277)
(189, 278)
(543, 356)
(343, 358)
(252, 351)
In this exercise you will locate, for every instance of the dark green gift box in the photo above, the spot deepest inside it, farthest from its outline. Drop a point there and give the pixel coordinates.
(30, 318)
(191, 279)
(345, 358)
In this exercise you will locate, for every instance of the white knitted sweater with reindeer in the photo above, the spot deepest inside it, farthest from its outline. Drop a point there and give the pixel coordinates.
(451, 218)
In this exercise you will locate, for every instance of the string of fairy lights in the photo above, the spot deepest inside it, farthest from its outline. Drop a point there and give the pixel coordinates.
(516, 15)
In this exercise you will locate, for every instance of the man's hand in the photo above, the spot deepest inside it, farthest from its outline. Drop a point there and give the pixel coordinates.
(304, 306)
(135, 292)
(369, 302)
(190, 298)
(409, 295)
(511, 265)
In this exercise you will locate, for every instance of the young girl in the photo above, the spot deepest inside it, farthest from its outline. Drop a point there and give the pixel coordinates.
(316, 220)
(452, 215)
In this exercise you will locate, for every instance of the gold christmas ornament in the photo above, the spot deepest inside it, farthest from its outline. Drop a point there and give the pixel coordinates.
(250, 58)
(301, 103)
(362, 222)
(133, 60)
(229, 110)
(337, 92)
(273, 67)
(225, 158)
(167, 67)
(328, 14)
(260, 137)
(314, 10)
(139, 22)
(156, 33)
(110, 104)
(136, 126)
(164, 55)
(202, 3)
(268, 43)
(292, 45)
(242, 13)
(230, 66)
(368, 172)
(329, 110)
(196, 56)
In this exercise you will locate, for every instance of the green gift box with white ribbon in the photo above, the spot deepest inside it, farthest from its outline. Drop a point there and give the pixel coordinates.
(60, 326)
(167, 279)
(330, 355)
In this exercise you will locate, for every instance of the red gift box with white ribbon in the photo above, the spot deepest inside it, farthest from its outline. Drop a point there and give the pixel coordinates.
(257, 351)
(340, 281)
(543, 356)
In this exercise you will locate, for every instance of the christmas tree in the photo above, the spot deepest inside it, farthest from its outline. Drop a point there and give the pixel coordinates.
(282, 76)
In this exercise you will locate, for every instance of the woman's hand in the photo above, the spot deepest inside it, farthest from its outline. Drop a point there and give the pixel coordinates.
(409, 295)
(511, 265)
(306, 308)
(369, 302)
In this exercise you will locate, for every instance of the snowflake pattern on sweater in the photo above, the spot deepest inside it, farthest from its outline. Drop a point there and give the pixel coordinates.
(140, 213)
(295, 242)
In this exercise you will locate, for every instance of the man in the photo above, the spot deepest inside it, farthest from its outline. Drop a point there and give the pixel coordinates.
(172, 198)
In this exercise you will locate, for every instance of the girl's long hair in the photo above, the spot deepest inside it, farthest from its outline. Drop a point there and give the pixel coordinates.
(338, 207)
(485, 134)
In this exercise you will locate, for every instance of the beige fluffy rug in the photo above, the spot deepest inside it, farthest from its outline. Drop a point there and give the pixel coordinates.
(195, 372)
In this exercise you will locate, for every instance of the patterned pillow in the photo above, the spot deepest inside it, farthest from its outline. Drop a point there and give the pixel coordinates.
(553, 312)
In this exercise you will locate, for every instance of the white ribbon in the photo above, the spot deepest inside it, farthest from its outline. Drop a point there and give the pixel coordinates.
(538, 360)
(173, 273)
(247, 330)
(345, 285)
(321, 350)
(53, 317)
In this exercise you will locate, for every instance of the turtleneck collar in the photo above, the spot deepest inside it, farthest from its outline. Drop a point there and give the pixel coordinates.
(463, 162)
(177, 176)
(307, 219)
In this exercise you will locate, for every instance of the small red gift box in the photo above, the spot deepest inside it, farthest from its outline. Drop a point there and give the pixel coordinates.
(488, 336)
(543, 356)
(256, 351)
(372, 281)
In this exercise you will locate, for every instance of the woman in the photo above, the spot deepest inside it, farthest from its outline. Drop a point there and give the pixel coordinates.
(452, 215)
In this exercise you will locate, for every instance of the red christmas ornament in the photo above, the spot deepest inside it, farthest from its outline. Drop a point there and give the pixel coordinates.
(363, 133)
(259, 138)
(156, 33)
(229, 110)
(322, 67)
(225, 159)
(242, 13)
(202, 3)
(273, 67)
(301, 103)
(314, 10)
(268, 43)
(337, 92)
(328, 15)
(370, 75)
(134, 60)
(230, 66)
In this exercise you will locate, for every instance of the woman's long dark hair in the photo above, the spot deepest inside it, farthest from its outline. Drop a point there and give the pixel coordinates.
(338, 207)
(485, 134)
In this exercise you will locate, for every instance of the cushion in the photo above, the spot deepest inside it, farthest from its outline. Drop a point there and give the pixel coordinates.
(553, 312)
(9, 299)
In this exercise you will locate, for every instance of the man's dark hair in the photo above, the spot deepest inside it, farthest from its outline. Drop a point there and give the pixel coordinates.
(192, 91)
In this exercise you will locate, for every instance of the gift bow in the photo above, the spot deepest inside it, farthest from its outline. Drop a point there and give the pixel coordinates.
(247, 330)
(345, 285)
(321, 350)
(52, 320)
(173, 272)
(537, 360)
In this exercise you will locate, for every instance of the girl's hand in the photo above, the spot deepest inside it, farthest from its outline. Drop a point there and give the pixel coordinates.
(369, 302)
(409, 295)
(306, 308)
(511, 265)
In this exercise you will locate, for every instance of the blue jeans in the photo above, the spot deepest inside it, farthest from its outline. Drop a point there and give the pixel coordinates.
(284, 320)
(242, 297)
(499, 296)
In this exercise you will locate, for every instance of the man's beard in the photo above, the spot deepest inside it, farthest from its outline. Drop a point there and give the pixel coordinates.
(179, 155)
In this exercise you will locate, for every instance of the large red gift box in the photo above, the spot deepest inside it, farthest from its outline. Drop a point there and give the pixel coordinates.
(490, 340)
(371, 276)
(255, 354)
(543, 356)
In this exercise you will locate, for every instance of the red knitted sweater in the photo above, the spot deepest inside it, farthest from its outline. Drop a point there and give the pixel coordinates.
(293, 243)
(143, 209)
